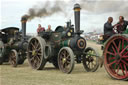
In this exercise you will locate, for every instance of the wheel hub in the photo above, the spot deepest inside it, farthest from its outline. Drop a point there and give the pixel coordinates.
(33, 52)
(64, 60)
(90, 59)
(117, 57)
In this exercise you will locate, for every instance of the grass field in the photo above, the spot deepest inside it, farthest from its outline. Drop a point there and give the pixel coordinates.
(25, 75)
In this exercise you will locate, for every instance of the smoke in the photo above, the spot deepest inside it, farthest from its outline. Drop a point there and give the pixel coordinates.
(45, 9)
(118, 7)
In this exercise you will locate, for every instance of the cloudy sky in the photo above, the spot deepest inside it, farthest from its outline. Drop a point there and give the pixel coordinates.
(94, 13)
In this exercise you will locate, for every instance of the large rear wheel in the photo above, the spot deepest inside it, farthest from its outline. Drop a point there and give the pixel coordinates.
(36, 48)
(116, 57)
(66, 60)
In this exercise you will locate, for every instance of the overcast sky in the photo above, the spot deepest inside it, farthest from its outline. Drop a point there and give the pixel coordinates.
(93, 14)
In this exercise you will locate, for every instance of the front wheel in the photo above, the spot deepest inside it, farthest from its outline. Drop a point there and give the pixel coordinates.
(90, 60)
(66, 60)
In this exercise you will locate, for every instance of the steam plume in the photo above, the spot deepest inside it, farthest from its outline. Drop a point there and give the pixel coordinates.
(45, 10)
(119, 7)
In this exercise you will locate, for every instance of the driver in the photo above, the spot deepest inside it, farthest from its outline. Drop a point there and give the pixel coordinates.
(40, 28)
(123, 23)
(49, 29)
(108, 28)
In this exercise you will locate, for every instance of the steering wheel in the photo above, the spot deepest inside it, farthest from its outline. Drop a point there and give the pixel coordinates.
(117, 28)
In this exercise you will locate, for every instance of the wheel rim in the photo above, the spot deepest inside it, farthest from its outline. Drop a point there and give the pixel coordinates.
(65, 61)
(90, 60)
(116, 57)
(13, 58)
(35, 53)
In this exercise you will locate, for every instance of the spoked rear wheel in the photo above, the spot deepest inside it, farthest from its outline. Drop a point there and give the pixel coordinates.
(36, 53)
(13, 58)
(90, 60)
(116, 57)
(66, 60)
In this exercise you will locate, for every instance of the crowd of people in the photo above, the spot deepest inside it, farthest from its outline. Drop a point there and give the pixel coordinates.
(121, 26)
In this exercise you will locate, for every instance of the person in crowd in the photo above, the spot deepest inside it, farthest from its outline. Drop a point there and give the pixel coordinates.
(108, 28)
(49, 29)
(122, 23)
(40, 28)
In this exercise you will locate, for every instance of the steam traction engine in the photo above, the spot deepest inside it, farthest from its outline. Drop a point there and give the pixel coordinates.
(115, 54)
(13, 45)
(62, 48)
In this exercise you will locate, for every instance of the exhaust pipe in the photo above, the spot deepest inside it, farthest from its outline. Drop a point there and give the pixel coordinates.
(77, 18)
(23, 24)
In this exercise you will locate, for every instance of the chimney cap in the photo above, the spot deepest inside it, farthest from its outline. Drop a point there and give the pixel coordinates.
(24, 18)
(76, 6)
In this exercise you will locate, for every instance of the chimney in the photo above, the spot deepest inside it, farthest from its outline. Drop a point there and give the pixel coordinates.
(77, 18)
(23, 24)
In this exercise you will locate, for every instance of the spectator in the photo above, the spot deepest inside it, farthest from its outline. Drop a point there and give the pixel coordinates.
(49, 29)
(123, 23)
(40, 29)
(108, 28)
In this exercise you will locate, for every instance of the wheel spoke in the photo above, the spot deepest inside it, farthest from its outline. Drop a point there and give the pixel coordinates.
(122, 69)
(110, 53)
(112, 63)
(125, 68)
(114, 49)
(118, 69)
(116, 64)
(124, 49)
(32, 45)
(119, 46)
(126, 53)
(32, 59)
(111, 58)
(39, 54)
(38, 58)
(124, 62)
(37, 45)
(124, 56)
(88, 64)
(115, 45)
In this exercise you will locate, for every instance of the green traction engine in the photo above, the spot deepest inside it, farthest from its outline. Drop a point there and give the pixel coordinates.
(63, 48)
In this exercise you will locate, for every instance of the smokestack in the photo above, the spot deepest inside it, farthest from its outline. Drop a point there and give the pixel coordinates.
(23, 24)
(77, 17)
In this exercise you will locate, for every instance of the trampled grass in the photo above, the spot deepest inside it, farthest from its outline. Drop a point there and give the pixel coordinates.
(25, 75)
